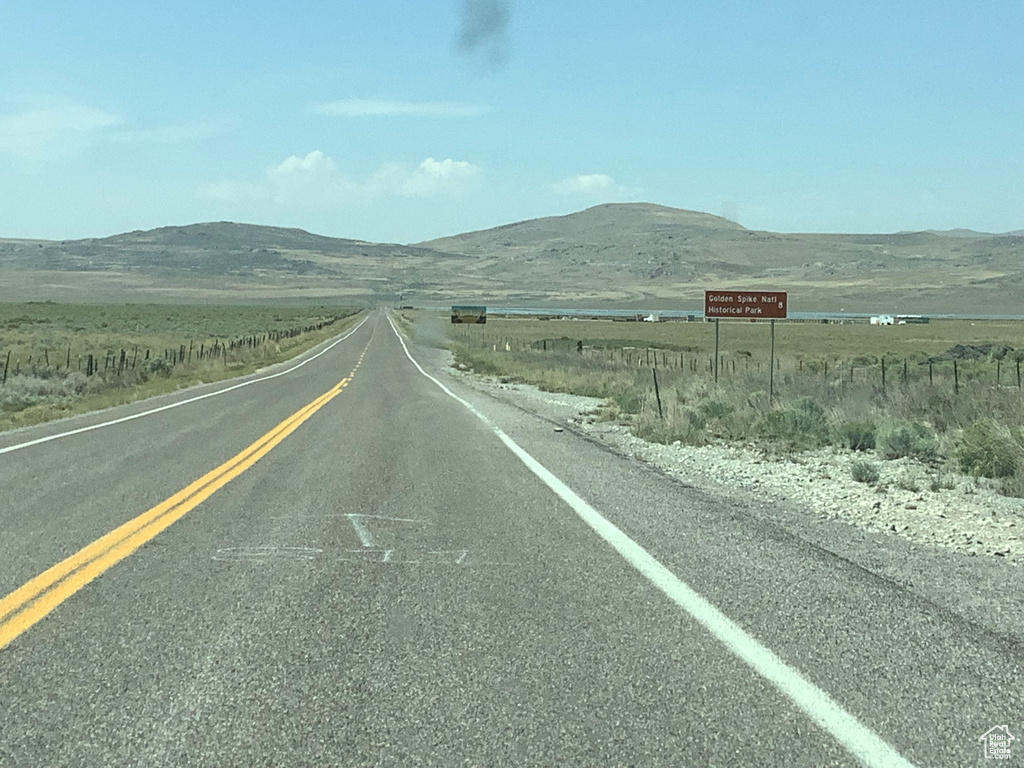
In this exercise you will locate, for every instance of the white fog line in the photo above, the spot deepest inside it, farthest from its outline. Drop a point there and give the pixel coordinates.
(151, 411)
(863, 743)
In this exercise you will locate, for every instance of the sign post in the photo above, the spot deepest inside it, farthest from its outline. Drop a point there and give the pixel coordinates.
(716, 350)
(748, 305)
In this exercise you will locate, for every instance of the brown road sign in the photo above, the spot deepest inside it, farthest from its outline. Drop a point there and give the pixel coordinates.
(746, 305)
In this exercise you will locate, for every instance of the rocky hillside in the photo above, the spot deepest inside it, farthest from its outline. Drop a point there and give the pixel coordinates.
(623, 255)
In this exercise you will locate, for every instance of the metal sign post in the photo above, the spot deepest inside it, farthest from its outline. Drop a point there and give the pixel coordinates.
(716, 350)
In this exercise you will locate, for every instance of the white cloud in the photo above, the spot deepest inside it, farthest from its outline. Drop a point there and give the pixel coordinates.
(434, 176)
(315, 180)
(594, 186)
(316, 163)
(169, 134)
(310, 179)
(53, 131)
(585, 184)
(389, 108)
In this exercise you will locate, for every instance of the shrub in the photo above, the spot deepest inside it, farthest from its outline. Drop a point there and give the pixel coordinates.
(715, 409)
(988, 449)
(696, 419)
(908, 439)
(1013, 486)
(856, 435)
(908, 483)
(865, 472)
(157, 366)
(801, 424)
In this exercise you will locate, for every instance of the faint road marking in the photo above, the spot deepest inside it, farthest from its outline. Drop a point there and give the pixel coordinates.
(863, 743)
(268, 554)
(259, 554)
(364, 534)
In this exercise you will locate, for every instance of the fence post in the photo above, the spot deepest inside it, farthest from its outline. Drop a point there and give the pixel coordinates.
(8, 365)
(956, 378)
(998, 370)
(883, 375)
(929, 373)
(1018, 373)
(657, 392)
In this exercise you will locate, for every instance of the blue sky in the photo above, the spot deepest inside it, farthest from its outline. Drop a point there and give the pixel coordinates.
(403, 120)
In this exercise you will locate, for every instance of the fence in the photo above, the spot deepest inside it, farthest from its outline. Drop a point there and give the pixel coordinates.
(883, 373)
(118, 359)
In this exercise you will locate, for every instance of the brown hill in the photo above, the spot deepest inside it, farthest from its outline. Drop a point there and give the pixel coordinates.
(642, 254)
(609, 255)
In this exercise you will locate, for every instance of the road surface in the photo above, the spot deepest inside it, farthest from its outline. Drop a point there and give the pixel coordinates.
(358, 561)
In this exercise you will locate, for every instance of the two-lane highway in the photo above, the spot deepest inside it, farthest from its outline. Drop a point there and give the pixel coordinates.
(361, 562)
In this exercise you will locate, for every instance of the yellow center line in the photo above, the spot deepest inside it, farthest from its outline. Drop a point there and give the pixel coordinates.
(36, 598)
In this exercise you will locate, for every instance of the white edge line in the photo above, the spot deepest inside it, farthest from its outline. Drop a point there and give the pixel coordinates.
(863, 743)
(151, 411)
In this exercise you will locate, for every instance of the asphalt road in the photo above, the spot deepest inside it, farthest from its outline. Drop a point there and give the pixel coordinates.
(398, 577)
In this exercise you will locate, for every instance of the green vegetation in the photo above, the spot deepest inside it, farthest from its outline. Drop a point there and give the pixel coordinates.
(990, 449)
(856, 435)
(62, 359)
(865, 472)
(908, 439)
(828, 384)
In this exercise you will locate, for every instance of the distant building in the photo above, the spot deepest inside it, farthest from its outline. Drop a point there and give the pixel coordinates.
(883, 320)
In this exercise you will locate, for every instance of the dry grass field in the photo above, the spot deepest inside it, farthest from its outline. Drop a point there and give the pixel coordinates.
(901, 390)
(60, 359)
(809, 341)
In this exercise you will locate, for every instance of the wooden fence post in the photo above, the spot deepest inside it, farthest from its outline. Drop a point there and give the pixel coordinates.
(657, 392)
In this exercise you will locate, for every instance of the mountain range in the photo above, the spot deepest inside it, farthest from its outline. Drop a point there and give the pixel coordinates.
(624, 255)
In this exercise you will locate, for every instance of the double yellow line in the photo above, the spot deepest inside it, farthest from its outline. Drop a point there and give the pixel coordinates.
(32, 601)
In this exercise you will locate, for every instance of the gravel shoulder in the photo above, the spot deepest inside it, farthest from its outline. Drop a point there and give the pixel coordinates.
(948, 538)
